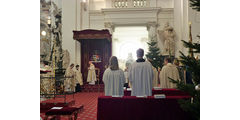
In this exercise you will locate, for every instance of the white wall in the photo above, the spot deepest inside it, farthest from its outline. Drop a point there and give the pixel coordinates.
(165, 3)
(70, 21)
(183, 14)
(194, 18)
(176, 12)
(97, 4)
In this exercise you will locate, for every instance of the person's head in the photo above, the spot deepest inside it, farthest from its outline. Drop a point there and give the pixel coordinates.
(140, 53)
(45, 62)
(126, 69)
(167, 60)
(176, 62)
(106, 66)
(77, 67)
(72, 65)
(113, 63)
(90, 62)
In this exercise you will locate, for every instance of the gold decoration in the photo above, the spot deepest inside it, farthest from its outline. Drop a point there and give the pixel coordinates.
(190, 39)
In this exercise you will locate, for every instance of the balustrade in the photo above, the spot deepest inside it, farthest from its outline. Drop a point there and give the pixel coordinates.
(129, 3)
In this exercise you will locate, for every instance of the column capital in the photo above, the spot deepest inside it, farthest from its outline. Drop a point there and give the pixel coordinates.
(110, 26)
(152, 24)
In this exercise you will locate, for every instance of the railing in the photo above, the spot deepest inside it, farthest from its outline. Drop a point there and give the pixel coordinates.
(139, 3)
(129, 3)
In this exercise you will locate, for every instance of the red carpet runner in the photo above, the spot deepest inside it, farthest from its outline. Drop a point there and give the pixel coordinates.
(88, 99)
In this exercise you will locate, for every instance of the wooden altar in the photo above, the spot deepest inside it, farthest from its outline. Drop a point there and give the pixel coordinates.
(96, 46)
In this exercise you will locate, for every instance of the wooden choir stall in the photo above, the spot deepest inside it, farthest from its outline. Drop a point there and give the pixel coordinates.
(96, 46)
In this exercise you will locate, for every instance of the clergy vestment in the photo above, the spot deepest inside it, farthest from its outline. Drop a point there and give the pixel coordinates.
(78, 77)
(78, 80)
(91, 74)
(69, 83)
(155, 77)
(170, 71)
(141, 77)
(113, 82)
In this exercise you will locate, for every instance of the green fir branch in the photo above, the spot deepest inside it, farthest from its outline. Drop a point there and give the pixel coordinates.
(194, 46)
(195, 4)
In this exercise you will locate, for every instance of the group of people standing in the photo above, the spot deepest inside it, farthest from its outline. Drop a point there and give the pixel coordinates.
(140, 75)
(73, 80)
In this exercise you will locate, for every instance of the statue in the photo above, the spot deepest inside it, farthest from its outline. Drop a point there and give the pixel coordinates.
(130, 60)
(167, 35)
(66, 59)
(56, 32)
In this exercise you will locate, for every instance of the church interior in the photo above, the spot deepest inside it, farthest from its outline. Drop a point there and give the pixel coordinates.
(78, 39)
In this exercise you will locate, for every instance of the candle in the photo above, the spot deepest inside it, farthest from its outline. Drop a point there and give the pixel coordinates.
(190, 39)
(190, 23)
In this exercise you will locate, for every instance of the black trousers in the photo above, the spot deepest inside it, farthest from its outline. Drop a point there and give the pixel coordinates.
(78, 88)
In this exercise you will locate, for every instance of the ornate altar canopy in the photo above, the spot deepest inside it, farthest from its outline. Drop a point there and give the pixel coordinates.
(96, 46)
(92, 34)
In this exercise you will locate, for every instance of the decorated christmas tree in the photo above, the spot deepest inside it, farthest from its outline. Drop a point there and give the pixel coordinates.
(154, 53)
(193, 66)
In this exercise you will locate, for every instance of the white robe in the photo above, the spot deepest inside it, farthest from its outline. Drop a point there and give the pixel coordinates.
(91, 74)
(69, 83)
(141, 77)
(155, 78)
(171, 71)
(113, 82)
(126, 76)
(78, 77)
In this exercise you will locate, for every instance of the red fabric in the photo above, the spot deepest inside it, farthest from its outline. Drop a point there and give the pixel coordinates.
(89, 100)
(44, 107)
(41, 71)
(167, 92)
(132, 108)
(93, 88)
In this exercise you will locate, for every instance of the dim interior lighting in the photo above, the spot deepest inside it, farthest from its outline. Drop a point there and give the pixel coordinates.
(43, 33)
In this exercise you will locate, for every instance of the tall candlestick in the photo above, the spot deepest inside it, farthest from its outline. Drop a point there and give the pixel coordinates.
(190, 39)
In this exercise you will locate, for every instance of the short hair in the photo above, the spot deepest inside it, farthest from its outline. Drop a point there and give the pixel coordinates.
(45, 62)
(140, 52)
(176, 61)
(77, 66)
(113, 63)
(72, 65)
(168, 59)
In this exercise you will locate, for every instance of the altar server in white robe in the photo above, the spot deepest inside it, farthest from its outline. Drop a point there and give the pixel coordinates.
(91, 74)
(168, 71)
(141, 76)
(155, 75)
(113, 79)
(155, 78)
(69, 83)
